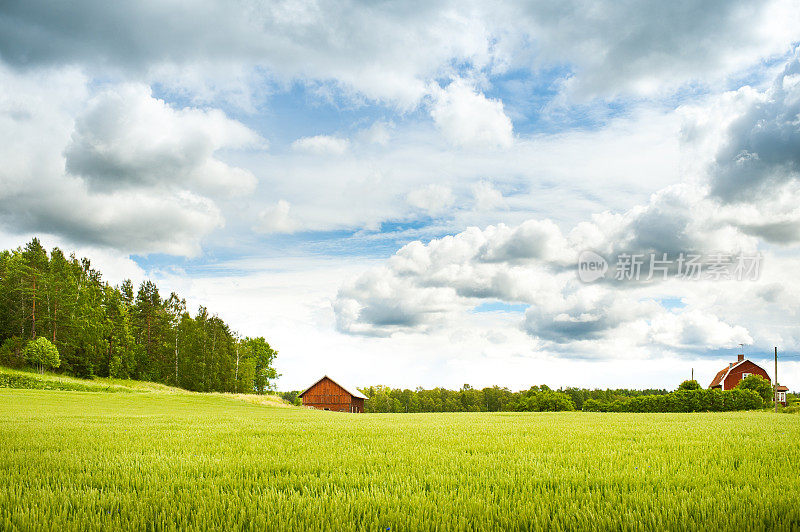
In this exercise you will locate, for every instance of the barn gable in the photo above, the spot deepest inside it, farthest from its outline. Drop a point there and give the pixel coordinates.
(348, 389)
(327, 394)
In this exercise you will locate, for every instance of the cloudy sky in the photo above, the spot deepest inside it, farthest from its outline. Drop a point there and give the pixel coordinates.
(398, 193)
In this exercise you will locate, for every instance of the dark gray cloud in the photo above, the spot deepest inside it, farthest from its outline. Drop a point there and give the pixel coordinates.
(128, 34)
(648, 46)
(783, 232)
(384, 52)
(761, 151)
(393, 50)
(390, 315)
(532, 240)
(586, 322)
(140, 223)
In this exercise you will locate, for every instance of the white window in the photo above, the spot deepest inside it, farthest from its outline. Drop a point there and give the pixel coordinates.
(745, 375)
(781, 397)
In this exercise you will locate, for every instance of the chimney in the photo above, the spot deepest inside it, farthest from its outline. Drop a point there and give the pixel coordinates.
(741, 357)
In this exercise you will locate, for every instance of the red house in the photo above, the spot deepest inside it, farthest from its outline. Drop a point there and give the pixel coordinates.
(728, 378)
(327, 394)
(781, 392)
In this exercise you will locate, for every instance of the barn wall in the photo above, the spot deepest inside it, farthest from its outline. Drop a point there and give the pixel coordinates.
(328, 394)
(333, 407)
(358, 403)
(747, 367)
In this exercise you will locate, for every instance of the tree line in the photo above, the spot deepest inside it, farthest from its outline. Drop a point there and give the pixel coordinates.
(751, 393)
(490, 399)
(120, 331)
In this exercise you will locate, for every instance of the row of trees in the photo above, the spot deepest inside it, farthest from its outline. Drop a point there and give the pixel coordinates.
(494, 399)
(751, 393)
(119, 331)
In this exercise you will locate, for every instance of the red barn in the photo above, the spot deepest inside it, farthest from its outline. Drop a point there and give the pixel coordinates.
(728, 378)
(327, 394)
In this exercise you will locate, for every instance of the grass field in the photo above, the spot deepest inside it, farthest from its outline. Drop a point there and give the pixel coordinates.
(155, 461)
(11, 378)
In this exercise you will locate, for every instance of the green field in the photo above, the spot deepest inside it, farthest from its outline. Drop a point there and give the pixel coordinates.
(155, 461)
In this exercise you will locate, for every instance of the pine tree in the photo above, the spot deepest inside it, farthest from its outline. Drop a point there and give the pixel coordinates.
(99, 329)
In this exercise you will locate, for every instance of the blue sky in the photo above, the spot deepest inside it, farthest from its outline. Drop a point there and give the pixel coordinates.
(399, 194)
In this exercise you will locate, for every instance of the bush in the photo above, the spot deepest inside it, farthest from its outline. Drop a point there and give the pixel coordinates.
(689, 385)
(544, 400)
(738, 399)
(292, 397)
(758, 384)
(41, 353)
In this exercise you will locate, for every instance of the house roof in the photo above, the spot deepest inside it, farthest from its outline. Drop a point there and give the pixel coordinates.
(782, 388)
(349, 389)
(721, 375)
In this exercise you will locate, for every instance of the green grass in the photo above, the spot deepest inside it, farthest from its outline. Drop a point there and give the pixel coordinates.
(17, 379)
(150, 461)
(12, 378)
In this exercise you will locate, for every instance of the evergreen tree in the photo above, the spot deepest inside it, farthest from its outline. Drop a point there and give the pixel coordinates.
(97, 329)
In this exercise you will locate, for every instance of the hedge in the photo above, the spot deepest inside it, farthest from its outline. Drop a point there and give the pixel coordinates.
(682, 401)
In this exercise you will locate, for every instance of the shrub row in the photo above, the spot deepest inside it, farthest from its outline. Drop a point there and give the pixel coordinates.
(682, 401)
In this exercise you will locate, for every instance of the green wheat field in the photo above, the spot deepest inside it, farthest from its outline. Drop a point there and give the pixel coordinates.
(74, 460)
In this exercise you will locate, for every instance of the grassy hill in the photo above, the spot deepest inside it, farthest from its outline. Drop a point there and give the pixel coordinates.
(16, 379)
(176, 460)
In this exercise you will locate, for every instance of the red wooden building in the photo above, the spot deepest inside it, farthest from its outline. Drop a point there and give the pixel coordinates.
(327, 394)
(781, 394)
(728, 378)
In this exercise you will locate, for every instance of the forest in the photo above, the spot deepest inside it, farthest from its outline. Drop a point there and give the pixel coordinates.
(120, 331)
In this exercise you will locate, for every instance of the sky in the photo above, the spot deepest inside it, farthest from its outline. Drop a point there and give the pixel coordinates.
(405, 193)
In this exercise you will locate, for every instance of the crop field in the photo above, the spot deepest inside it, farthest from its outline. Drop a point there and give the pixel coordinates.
(152, 461)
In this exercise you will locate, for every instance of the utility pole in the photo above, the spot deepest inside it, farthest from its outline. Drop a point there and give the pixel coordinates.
(775, 384)
(692, 373)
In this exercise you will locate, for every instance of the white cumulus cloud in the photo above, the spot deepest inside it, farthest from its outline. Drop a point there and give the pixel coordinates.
(322, 144)
(467, 118)
(127, 138)
(432, 199)
(276, 219)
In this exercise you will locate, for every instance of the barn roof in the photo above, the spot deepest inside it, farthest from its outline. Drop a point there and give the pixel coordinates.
(349, 389)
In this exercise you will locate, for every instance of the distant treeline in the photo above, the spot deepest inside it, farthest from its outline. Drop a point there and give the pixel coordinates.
(494, 399)
(544, 399)
(119, 331)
